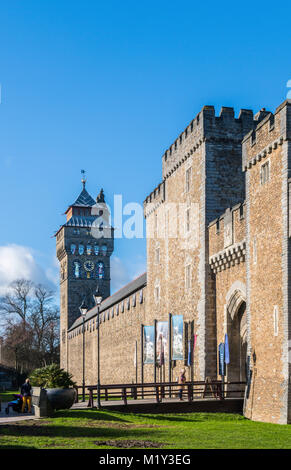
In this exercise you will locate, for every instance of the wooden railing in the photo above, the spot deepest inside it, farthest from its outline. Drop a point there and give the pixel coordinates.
(192, 390)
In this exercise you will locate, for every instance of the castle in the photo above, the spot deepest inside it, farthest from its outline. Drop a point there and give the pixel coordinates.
(218, 262)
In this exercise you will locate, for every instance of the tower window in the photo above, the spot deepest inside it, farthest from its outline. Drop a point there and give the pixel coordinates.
(157, 293)
(100, 270)
(188, 220)
(104, 250)
(81, 249)
(265, 172)
(276, 320)
(77, 269)
(188, 276)
(188, 179)
(89, 249)
(255, 250)
(157, 255)
(96, 249)
(73, 248)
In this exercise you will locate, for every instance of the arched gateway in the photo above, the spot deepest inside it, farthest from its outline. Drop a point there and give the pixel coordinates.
(237, 332)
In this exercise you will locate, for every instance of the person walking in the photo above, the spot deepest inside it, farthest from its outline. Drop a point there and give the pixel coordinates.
(181, 381)
(26, 396)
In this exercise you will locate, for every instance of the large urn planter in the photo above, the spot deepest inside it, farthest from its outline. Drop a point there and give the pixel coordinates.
(53, 389)
(61, 398)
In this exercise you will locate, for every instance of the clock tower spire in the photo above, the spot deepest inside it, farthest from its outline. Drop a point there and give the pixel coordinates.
(84, 246)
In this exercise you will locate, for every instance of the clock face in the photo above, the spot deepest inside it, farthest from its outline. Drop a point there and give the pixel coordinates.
(89, 265)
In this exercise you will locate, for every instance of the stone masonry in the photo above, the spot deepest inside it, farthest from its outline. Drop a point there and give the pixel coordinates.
(218, 253)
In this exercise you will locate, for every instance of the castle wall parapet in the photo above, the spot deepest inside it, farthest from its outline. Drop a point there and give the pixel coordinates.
(270, 132)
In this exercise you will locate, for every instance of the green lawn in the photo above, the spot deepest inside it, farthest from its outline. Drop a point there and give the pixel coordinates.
(90, 429)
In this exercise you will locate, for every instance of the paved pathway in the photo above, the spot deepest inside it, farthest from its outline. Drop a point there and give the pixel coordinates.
(13, 416)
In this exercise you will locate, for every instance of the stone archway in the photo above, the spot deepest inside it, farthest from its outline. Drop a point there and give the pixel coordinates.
(237, 333)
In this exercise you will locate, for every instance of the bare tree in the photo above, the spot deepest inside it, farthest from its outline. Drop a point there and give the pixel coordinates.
(31, 330)
(17, 345)
(17, 300)
(44, 319)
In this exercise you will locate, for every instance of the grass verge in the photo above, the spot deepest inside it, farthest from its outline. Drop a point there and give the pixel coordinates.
(92, 429)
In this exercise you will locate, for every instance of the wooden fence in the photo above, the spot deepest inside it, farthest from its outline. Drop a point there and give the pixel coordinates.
(191, 390)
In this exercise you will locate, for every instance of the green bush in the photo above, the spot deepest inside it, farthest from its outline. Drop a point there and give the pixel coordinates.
(51, 377)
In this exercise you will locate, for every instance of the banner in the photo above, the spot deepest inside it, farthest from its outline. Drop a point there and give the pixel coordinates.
(226, 349)
(162, 341)
(148, 344)
(221, 359)
(189, 360)
(162, 354)
(177, 334)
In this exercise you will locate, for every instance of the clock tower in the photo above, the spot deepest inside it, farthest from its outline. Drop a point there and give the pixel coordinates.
(84, 246)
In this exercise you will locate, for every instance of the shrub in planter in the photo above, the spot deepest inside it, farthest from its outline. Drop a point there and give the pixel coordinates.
(58, 384)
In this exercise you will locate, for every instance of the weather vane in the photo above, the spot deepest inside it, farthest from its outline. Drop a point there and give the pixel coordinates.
(83, 180)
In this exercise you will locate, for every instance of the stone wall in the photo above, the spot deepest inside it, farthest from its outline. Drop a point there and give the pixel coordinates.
(267, 269)
(120, 335)
(227, 251)
(222, 263)
(210, 147)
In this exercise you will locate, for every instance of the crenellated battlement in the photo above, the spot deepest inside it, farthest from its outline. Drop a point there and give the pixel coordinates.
(207, 126)
(270, 132)
(154, 199)
(226, 125)
(156, 194)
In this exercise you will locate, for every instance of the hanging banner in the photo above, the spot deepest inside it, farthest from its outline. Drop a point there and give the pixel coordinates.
(162, 341)
(189, 360)
(177, 334)
(148, 344)
(162, 354)
(226, 349)
(221, 359)
(193, 349)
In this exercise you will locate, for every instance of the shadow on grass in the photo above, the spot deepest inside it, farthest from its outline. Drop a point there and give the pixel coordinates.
(73, 431)
(194, 417)
(13, 446)
(89, 414)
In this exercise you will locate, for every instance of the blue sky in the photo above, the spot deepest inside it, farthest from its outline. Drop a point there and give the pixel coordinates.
(107, 86)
